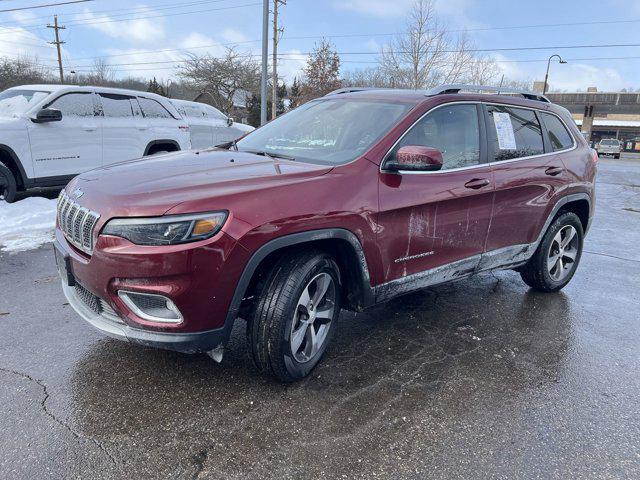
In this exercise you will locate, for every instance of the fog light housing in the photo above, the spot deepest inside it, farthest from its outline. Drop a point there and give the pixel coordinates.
(151, 307)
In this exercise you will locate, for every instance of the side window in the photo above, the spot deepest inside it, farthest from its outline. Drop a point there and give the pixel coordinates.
(74, 105)
(153, 109)
(452, 129)
(215, 113)
(116, 105)
(516, 132)
(560, 138)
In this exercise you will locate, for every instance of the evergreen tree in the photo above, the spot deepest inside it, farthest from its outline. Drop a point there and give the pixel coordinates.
(155, 87)
(294, 94)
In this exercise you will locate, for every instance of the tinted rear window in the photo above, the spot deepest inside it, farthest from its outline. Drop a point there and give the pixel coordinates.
(610, 142)
(516, 132)
(558, 135)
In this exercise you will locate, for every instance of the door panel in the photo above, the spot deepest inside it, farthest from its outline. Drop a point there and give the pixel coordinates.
(526, 179)
(432, 219)
(72, 145)
(121, 139)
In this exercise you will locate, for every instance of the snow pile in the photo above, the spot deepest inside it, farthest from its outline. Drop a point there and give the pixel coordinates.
(26, 224)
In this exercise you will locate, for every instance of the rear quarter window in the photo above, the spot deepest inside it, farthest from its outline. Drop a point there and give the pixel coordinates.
(153, 109)
(559, 136)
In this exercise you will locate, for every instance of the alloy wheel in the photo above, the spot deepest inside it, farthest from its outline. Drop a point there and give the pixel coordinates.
(562, 253)
(312, 317)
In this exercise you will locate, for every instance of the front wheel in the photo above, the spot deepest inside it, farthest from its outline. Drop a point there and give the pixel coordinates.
(556, 259)
(8, 188)
(295, 315)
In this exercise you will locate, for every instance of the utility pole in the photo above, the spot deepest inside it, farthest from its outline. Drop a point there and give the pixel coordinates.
(274, 80)
(265, 60)
(57, 43)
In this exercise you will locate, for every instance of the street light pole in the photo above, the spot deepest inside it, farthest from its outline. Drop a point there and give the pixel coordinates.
(546, 77)
(265, 55)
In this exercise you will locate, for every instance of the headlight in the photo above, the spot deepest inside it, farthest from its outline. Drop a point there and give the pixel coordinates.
(168, 230)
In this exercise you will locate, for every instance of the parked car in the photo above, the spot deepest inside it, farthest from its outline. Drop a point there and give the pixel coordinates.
(347, 201)
(208, 126)
(609, 146)
(50, 133)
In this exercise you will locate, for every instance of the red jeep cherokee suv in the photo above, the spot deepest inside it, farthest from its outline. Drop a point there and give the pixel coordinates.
(344, 202)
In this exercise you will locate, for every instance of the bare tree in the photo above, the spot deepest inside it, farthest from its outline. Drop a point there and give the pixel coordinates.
(322, 72)
(102, 74)
(222, 77)
(427, 54)
(367, 77)
(22, 71)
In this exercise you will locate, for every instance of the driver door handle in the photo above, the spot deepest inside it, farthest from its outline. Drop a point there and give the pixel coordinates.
(553, 171)
(477, 183)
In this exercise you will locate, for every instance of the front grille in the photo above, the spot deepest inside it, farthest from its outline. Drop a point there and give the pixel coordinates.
(90, 300)
(76, 222)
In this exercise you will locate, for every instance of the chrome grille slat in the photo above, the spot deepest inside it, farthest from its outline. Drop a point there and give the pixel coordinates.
(76, 222)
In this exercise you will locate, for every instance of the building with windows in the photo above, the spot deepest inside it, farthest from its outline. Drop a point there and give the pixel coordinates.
(604, 114)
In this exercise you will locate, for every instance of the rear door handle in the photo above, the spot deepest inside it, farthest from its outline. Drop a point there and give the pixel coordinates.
(89, 128)
(553, 171)
(477, 183)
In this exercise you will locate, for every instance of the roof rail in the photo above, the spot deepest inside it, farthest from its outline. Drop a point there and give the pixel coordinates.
(349, 90)
(456, 88)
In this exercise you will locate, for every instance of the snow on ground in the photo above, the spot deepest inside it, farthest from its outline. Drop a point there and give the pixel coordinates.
(26, 224)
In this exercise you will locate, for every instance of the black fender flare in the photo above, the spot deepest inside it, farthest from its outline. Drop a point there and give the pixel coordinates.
(562, 201)
(23, 180)
(160, 142)
(288, 241)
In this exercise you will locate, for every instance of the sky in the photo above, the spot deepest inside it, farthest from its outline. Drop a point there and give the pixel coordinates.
(161, 33)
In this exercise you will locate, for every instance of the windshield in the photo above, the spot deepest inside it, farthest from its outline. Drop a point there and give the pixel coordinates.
(329, 132)
(609, 142)
(14, 102)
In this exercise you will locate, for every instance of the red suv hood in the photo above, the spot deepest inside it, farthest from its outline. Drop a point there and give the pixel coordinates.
(152, 186)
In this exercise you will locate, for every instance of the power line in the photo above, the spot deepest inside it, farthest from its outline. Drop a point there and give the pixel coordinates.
(128, 11)
(44, 5)
(116, 20)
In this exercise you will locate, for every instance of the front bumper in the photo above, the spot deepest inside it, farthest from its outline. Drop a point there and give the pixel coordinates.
(112, 326)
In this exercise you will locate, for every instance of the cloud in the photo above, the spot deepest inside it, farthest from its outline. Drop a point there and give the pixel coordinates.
(232, 35)
(140, 30)
(17, 42)
(566, 77)
(291, 65)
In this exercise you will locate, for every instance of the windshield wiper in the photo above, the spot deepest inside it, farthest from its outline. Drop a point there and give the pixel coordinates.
(228, 145)
(271, 155)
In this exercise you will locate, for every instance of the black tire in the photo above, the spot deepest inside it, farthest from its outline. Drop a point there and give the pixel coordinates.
(536, 273)
(8, 187)
(616, 156)
(269, 331)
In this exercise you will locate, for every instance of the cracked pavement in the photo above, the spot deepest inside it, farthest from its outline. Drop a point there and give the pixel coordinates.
(481, 378)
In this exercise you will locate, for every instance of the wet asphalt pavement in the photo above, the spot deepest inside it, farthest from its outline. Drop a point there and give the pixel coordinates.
(481, 378)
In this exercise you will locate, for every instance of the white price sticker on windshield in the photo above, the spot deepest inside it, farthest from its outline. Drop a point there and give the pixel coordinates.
(504, 129)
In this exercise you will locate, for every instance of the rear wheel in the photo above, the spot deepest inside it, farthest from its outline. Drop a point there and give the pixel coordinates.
(8, 187)
(556, 259)
(295, 315)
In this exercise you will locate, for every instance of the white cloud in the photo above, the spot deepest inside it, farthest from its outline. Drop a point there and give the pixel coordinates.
(23, 17)
(566, 77)
(142, 30)
(17, 42)
(232, 35)
(291, 65)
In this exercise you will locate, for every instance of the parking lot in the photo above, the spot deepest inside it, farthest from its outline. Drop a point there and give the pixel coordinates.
(481, 378)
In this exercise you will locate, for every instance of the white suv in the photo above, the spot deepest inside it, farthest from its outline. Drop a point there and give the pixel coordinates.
(208, 125)
(609, 146)
(50, 133)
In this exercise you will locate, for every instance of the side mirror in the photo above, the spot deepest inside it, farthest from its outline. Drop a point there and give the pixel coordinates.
(415, 158)
(229, 121)
(47, 115)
